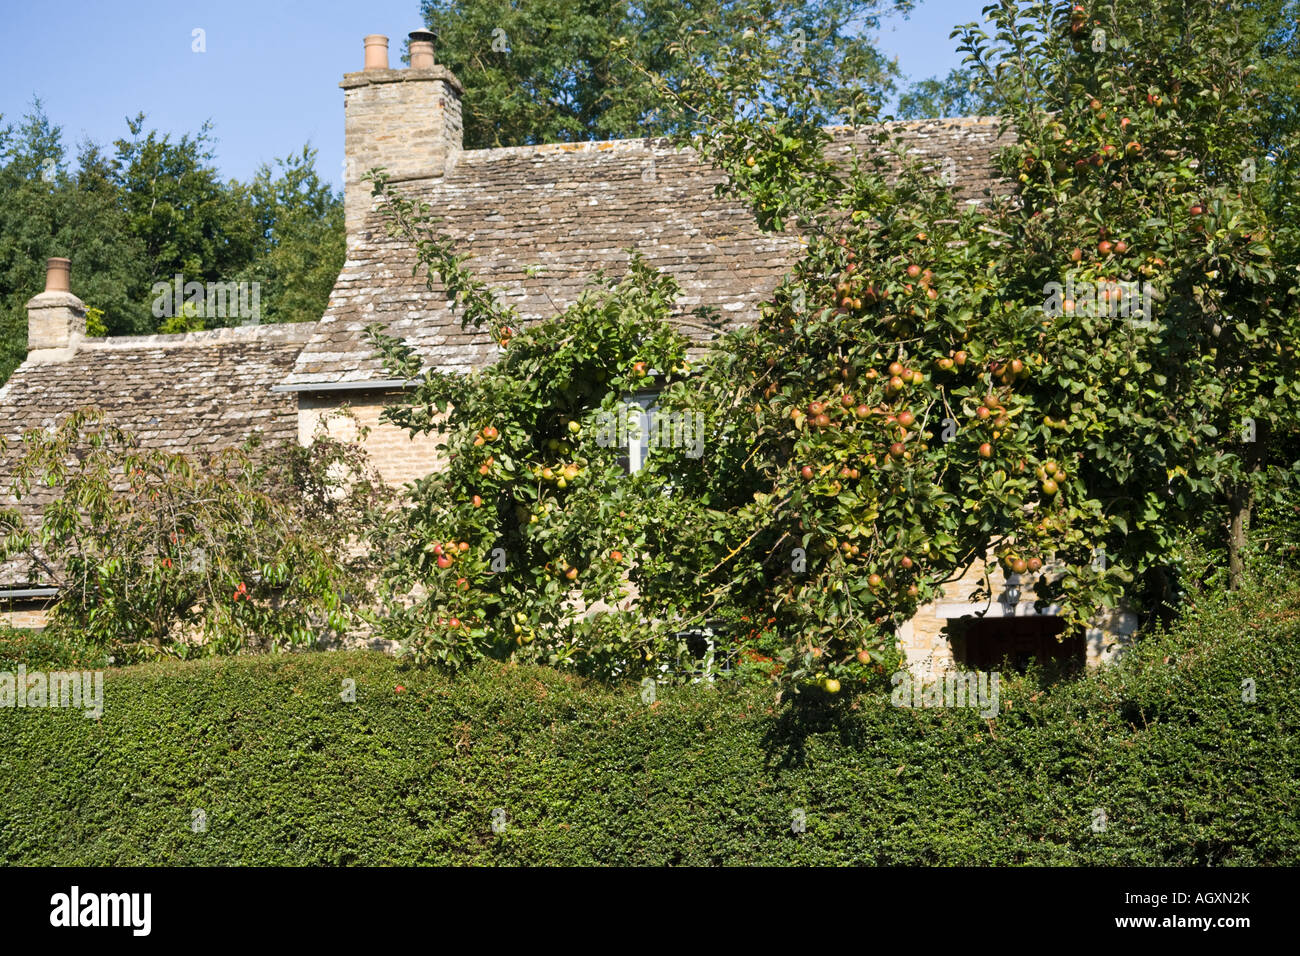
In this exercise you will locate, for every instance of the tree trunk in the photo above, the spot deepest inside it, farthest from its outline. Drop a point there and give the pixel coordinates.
(1239, 506)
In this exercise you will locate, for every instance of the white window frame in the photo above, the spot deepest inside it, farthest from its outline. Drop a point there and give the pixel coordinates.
(638, 445)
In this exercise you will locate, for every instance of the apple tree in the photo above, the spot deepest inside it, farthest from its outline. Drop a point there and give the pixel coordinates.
(1148, 150)
(1071, 374)
(527, 543)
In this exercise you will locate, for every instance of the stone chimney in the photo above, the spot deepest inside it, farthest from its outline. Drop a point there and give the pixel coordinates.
(407, 121)
(56, 319)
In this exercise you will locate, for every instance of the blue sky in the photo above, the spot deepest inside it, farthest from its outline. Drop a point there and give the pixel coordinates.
(268, 79)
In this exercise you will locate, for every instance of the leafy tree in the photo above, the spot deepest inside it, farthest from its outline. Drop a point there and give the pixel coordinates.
(177, 206)
(154, 208)
(1273, 29)
(301, 238)
(919, 391)
(157, 553)
(533, 520)
(956, 94)
(559, 71)
(1155, 163)
(46, 210)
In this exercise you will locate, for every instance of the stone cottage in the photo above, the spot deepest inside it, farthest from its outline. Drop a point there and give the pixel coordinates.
(535, 222)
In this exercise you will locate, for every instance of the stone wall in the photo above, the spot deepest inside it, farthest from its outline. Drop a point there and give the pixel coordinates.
(396, 456)
(24, 613)
(981, 590)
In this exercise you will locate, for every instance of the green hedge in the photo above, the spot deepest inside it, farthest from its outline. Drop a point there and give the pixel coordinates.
(288, 773)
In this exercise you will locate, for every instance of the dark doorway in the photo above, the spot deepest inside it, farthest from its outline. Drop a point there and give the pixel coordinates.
(985, 643)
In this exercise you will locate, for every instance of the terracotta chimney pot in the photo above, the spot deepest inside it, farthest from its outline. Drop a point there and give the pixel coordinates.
(56, 275)
(376, 52)
(421, 47)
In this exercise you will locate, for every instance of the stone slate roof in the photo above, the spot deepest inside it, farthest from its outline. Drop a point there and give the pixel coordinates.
(571, 209)
(194, 392)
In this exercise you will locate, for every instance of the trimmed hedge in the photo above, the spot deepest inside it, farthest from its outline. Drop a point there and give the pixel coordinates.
(1186, 772)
